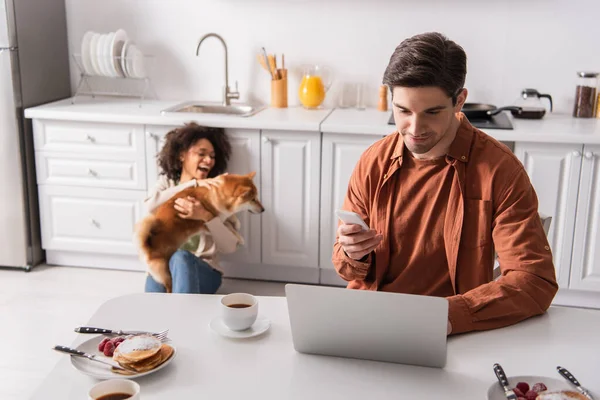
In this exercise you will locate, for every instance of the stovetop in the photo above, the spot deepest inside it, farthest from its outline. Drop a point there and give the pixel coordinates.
(500, 121)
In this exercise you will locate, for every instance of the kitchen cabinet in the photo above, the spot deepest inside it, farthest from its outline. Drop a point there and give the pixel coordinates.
(554, 170)
(585, 267)
(155, 140)
(339, 157)
(290, 166)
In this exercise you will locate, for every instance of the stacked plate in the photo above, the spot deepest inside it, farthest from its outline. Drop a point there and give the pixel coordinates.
(112, 55)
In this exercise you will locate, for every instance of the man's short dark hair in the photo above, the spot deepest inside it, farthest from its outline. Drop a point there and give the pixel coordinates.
(428, 59)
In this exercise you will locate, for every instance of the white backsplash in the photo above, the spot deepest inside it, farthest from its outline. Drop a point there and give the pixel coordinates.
(510, 44)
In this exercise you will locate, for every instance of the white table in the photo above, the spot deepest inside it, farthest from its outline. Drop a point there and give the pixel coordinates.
(209, 366)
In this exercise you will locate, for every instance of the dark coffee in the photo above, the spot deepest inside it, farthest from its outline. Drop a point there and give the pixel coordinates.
(240, 305)
(115, 396)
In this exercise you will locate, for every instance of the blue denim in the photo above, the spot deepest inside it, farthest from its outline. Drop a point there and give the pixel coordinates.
(190, 274)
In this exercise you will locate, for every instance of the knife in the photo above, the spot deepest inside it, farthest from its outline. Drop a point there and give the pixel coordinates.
(102, 331)
(92, 357)
(569, 376)
(503, 380)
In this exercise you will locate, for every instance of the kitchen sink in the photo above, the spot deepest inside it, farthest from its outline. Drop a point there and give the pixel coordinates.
(240, 110)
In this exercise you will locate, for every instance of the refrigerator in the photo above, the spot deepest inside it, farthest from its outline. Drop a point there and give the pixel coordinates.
(34, 69)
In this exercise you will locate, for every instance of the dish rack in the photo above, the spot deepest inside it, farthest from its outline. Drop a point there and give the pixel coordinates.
(111, 77)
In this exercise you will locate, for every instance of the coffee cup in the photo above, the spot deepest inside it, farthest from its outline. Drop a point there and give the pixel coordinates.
(239, 311)
(111, 389)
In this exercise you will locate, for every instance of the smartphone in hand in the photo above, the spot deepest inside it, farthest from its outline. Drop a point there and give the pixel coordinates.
(350, 217)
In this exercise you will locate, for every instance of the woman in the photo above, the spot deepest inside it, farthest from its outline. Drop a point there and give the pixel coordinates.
(191, 153)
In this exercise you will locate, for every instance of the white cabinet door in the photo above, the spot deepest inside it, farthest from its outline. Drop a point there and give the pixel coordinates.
(554, 172)
(290, 164)
(339, 157)
(155, 140)
(93, 220)
(585, 269)
(245, 158)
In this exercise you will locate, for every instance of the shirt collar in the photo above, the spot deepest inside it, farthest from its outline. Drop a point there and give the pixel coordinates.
(460, 149)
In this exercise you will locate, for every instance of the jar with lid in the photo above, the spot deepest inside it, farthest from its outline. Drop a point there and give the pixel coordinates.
(585, 95)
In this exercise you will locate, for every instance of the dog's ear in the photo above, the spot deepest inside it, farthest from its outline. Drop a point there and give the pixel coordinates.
(251, 174)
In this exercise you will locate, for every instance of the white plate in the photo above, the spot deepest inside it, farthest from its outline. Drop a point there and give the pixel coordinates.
(86, 59)
(116, 48)
(260, 326)
(124, 57)
(135, 62)
(495, 392)
(102, 371)
(107, 56)
(100, 54)
(92, 54)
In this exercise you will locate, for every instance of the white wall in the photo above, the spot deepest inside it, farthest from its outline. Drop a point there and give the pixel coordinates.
(510, 44)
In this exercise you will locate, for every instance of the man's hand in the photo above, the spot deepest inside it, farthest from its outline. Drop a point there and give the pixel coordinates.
(190, 208)
(357, 242)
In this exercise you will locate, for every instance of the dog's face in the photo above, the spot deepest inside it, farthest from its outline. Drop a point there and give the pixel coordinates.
(243, 194)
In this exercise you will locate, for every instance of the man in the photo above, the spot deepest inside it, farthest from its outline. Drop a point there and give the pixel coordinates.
(440, 197)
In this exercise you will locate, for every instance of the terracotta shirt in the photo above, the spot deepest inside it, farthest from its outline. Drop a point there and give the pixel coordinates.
(491, 206)
(418, 262)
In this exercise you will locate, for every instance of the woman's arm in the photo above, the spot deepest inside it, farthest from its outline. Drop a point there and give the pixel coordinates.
(162, 192)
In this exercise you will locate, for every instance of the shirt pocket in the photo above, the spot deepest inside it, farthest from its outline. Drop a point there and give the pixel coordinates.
(477, 224)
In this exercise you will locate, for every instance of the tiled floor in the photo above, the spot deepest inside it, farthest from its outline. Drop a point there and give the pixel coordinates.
(40, 309)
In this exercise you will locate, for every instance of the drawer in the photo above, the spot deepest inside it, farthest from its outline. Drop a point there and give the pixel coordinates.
(90, 220)
(101, 171)
(88, 137)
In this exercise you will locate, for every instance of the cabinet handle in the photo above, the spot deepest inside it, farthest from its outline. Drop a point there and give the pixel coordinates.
(152, 135)
(91, 139)
(576, 154)
(94, 222)
(589, 155)
(92, 172)
(266, 139)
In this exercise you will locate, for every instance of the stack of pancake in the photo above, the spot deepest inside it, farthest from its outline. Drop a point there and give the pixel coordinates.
(141, 353)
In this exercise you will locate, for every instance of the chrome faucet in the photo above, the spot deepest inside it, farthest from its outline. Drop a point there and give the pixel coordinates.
(227, 94)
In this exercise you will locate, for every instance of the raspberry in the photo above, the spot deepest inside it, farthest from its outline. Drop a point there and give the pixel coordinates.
(523, 387)
(531, 395)
(102, 343)
(521, 398)
(109, 349)
(518, 392)
(539, 387)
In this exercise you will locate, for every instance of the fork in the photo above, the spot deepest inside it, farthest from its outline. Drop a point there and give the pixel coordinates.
(162, 335)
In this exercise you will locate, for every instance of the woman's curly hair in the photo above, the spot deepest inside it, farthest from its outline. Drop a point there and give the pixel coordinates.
(181, 139)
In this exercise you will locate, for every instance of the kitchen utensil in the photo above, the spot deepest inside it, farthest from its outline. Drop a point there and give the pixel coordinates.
(480, 111)
(569, 376)
(585, 95)
(531, 105)
(101, 331)
(273, 66)
(91, 357)
(316, 81)
(266, 58)
(503, 380)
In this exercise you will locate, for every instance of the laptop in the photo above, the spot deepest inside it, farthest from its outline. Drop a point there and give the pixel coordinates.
(368, 325)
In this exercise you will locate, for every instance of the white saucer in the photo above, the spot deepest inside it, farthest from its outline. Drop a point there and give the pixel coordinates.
(260, 326)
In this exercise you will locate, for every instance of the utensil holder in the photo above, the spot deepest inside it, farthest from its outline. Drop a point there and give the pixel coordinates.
(279, 93)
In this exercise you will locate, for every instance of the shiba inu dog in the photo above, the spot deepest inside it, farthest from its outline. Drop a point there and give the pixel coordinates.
(161, 233)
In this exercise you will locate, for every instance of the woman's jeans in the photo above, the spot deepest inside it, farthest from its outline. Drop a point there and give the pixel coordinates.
(190, 274)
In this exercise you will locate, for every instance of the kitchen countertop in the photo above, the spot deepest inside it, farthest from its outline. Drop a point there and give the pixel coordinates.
(553, 128)
(208, 366)
(129, 111)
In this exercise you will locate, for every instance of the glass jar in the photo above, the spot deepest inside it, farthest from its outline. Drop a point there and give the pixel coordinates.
(585, 95)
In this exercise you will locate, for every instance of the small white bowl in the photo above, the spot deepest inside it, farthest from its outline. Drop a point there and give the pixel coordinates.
(115, 386)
